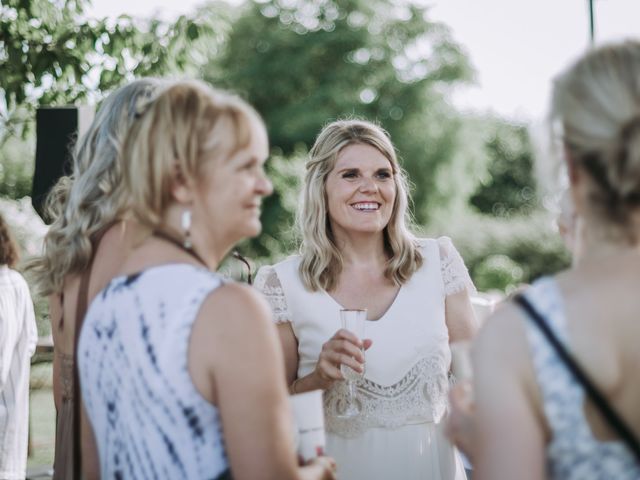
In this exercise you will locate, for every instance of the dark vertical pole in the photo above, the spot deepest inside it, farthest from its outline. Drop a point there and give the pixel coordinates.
(592, 26)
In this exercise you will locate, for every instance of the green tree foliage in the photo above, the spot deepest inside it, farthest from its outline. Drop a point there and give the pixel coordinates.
(493, 207)
(51, 54)
(17, 158)
(304, 63)
(502, 252)
(509, 186)
(301, 63)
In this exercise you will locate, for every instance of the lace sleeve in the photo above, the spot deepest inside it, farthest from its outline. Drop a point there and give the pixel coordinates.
(268, 283)
(454, 272)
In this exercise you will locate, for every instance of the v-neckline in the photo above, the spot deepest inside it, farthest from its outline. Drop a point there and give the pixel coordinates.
(384, 314)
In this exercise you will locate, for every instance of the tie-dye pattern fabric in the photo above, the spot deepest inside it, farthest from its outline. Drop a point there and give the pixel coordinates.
(149, 420)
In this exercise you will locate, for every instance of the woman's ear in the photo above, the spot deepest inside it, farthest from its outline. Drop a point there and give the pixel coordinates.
(572, 168)
(577, 182)
(181, 187)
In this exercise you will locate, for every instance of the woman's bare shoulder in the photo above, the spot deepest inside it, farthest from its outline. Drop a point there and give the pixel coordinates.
(502, 338)
(235, 305)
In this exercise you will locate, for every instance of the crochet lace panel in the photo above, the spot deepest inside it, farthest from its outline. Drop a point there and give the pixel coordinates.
(454, 272)
(268, 283)
(420, 396)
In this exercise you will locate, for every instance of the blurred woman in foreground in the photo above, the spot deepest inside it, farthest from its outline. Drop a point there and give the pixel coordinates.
(534, 417)
(180, 370)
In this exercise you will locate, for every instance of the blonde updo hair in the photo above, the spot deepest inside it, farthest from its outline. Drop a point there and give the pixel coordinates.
(93, 196)
(596, 106)
(184, 126)
(321, 259)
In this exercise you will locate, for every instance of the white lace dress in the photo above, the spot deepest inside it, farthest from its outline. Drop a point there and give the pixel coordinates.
(403, 395)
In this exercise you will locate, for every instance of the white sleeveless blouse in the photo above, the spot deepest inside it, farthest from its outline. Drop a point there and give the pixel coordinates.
(405, 382)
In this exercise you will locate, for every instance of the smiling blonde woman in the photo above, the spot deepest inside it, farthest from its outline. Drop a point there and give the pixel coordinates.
(358, 253)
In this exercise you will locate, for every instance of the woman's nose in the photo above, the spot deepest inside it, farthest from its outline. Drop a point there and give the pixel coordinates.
(368, 185)
(264, 185)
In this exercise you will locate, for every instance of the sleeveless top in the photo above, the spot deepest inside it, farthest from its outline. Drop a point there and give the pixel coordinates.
(406, 368)
(148, 418)
(573, 452)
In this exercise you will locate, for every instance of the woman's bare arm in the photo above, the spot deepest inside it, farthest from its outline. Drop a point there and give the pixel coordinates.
(510, 436)
(289, 345)
(235, 339)
(460, 318)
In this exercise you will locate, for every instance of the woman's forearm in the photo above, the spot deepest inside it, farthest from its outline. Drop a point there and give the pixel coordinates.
(308, 383)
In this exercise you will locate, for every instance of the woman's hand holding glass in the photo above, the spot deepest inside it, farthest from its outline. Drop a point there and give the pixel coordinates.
(344, 348)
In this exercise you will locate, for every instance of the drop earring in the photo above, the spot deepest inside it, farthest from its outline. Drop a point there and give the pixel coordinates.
(186, 228)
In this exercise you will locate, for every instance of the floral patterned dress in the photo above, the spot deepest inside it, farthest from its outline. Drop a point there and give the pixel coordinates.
(573, 453)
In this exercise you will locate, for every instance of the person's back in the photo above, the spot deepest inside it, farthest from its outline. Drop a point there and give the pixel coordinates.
(602, 309)
(148, 418)
(535, 416)
(83, 249)
(593, 312)
(111, 249)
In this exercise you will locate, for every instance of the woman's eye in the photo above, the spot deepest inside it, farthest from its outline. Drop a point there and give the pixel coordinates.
(384, 175)
(349, 175)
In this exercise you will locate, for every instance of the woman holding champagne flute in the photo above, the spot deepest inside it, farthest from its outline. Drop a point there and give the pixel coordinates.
(357, 253)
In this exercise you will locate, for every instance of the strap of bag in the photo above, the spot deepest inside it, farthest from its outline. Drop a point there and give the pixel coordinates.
(598, 399)
(81, 310)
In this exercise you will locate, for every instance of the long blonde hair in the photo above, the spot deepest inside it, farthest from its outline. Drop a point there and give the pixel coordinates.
(596, 106)
(187, 124)
(93, 196)
(321, 262)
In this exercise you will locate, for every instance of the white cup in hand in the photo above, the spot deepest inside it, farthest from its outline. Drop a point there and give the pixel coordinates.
(308, 415)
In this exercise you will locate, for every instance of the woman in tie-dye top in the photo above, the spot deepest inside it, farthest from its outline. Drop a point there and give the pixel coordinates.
(180, 371)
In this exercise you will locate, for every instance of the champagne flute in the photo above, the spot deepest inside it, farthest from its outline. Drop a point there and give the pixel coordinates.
(352, 320)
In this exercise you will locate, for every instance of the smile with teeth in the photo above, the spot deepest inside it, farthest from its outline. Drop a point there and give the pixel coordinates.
(366, 206)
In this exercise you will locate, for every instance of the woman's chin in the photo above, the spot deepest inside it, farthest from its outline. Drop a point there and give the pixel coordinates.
(253, 229)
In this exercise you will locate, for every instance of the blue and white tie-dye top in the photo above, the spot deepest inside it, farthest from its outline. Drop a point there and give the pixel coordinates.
(573, 452)
(149, 420)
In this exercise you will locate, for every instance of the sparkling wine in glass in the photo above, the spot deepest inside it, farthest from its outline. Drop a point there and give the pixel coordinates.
(354, 321)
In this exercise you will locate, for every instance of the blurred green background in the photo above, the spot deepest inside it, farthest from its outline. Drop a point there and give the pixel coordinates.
(302, 64)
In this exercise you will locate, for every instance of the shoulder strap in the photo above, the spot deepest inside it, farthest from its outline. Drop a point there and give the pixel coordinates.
(81, 310)
(598, 399)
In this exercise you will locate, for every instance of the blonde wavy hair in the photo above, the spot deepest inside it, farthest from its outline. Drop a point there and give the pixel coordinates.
(185, 126)
(596, 108)
(322, 260)
(93, 196)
